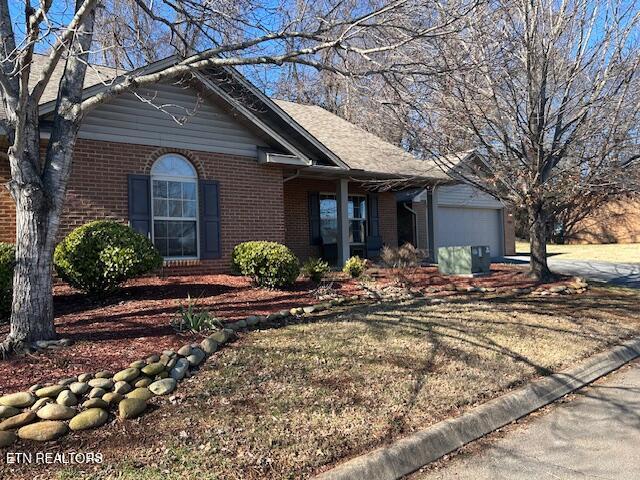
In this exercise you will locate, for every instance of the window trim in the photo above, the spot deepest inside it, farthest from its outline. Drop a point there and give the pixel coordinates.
(182, 179)
(349, 219)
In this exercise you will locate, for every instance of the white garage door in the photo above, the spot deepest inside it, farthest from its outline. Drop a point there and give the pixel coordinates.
(459, 226)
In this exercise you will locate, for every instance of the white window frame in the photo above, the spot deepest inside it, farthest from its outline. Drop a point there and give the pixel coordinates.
(182, 179)
(349, 219)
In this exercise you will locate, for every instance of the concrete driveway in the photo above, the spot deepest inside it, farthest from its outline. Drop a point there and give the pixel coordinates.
(623, 274)
(595, 436)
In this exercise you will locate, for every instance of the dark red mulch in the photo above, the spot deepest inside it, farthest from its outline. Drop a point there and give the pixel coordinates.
(136, 322)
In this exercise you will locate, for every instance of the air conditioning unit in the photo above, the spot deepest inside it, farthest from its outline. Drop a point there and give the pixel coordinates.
(465, 260)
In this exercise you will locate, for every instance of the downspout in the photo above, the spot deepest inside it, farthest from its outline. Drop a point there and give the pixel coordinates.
(295, 175)
(415, 223)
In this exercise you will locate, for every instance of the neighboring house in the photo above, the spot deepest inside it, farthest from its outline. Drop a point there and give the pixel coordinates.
(454, 214)
(616, 222)
(205, 163)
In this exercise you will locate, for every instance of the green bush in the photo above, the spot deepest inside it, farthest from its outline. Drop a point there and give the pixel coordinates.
(100, 256)
(7, 262)
(315, 268)
(268, 264)
(355, 267)
(192, 318)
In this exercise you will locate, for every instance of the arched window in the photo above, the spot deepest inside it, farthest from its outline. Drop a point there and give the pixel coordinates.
(174, 196)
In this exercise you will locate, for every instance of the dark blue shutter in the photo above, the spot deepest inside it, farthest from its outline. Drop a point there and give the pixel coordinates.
(209, 219)
(140, 204)
(374, 240)
(314, 218)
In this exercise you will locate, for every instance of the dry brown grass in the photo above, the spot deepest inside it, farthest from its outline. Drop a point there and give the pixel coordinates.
(288, 402)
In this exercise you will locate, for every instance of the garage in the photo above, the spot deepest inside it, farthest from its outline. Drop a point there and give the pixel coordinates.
(454, 215)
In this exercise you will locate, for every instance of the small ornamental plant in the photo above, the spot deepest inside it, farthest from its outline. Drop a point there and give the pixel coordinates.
(192, 318)
(355, 267)
(97, 258)
(315, 269)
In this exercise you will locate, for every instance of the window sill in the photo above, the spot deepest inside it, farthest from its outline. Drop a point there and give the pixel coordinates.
(180, 262)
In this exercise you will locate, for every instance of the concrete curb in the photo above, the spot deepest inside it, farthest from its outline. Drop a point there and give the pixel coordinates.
(411, 453)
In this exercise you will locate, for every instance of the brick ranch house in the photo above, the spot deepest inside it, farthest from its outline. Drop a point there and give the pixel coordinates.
(203, 163)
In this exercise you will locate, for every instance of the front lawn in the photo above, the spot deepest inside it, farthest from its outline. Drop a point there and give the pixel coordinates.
(609, 252)
(290, 402)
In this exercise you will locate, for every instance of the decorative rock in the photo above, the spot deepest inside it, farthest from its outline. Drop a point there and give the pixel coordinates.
(54, 411)
(18, 420)
(153, 359)
(180, 370)
(196, 357)
(41, 403)
(126, 375)
(143, 382)
(84, 377)
(294, 311)
(6, 412)
(51, 391)
(165, 359)
(309, 309)
(185, 351)
(153, 369)
(138, 364)
(241, 324)
(221, 337)
(162, 374)
(35, 387)
(172, 363)
(43, 431)
(104, 383)
(141, 393)
(122, 387)
(95, 403)
(104, 374)
(272, 317)
(164, 386)
(91, 418)
(67, 381)
(131, 407)
(169, 353)
(112, 398)
(18, 400)
(67, 399)
(97, 392)
(252, 320)
(79, 388)
(209, 346)
(7, 438)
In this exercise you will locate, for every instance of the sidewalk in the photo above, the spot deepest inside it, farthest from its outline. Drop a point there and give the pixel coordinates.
(595, 436)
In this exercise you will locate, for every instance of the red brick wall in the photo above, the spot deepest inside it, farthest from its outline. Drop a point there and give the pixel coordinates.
(251, 200)
(616, 222)
(296, 208)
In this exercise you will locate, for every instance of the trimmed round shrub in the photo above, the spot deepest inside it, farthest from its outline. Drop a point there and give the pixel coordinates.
(268, 264)
(355, 267)
(99, 257)
(315, 269)
(7, 262)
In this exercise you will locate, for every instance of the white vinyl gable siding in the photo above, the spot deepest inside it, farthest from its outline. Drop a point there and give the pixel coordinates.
(206, 126)
(462, 195)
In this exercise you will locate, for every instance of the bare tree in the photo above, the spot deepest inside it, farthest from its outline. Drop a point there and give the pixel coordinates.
(547, 93)
(201, 34)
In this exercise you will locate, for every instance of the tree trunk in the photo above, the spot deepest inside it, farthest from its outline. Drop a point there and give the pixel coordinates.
(539, 269)
(32, 308)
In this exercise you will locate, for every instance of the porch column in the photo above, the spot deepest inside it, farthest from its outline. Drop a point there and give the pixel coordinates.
(342, 197)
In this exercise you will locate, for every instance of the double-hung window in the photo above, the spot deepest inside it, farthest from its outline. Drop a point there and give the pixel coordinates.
(174, 195)
(357, 213)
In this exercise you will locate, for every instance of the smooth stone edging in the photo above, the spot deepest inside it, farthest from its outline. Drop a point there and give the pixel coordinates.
(411, 453)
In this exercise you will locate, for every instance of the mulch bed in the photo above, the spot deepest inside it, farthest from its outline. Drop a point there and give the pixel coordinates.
(135, 323)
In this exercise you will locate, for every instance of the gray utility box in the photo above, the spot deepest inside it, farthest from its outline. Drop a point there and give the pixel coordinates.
(467, 260)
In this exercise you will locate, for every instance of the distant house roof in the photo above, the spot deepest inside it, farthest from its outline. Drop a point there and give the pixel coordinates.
(355, 147)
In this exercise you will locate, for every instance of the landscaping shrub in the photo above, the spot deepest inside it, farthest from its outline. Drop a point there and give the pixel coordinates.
(355, 267)
(268, 264)
(193, 319)
(7, 262)
(100, 256)
(407, 256)
(315, 268)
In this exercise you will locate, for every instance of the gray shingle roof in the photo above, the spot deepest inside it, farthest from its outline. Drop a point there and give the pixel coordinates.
(358, 148)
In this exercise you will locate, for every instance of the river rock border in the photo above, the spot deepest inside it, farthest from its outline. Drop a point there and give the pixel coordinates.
(87, 401)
